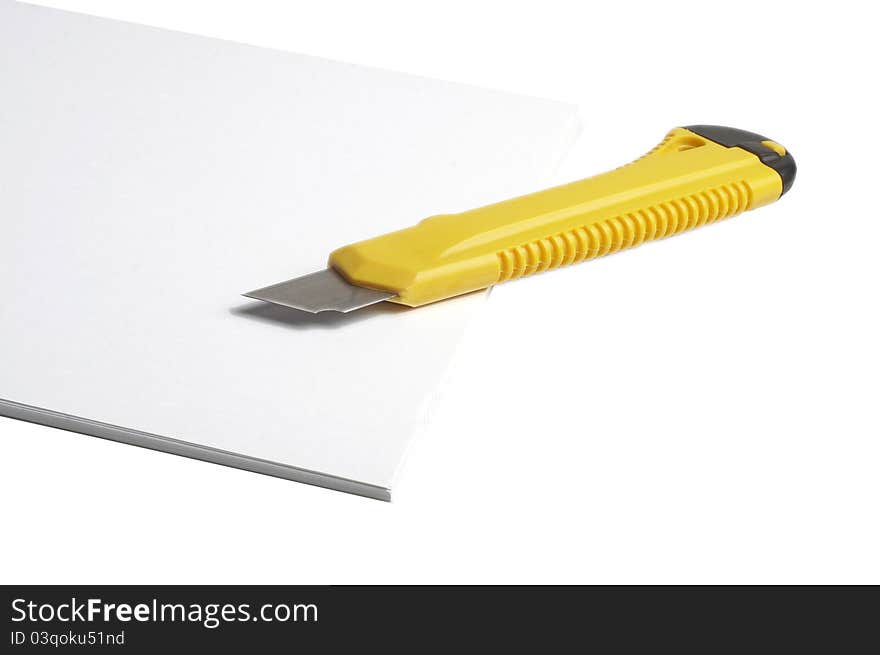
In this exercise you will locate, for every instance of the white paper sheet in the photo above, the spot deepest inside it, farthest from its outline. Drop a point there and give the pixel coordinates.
(149, 177)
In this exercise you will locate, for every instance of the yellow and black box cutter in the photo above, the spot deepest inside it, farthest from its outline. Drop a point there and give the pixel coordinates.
(695, 176)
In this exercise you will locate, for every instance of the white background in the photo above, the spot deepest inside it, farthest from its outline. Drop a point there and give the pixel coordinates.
(702, 410)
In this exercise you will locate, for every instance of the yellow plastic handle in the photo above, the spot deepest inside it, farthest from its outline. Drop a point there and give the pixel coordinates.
(688, 180)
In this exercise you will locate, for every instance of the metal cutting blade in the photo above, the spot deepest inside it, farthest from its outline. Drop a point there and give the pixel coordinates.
(320, 292)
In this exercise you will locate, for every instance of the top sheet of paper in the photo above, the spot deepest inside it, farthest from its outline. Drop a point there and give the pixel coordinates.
(147, 178)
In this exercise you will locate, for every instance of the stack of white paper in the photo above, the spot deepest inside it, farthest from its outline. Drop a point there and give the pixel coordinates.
(149, 177)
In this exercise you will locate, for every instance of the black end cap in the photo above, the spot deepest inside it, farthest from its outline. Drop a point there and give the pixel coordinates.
(751, 142)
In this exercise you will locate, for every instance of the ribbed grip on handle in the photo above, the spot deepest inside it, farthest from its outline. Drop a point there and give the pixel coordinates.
(625, 231)
(689, 179)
